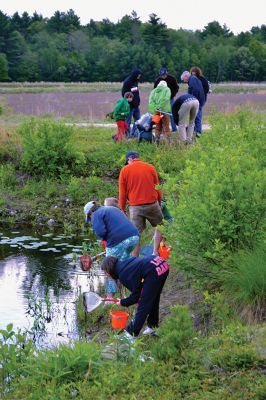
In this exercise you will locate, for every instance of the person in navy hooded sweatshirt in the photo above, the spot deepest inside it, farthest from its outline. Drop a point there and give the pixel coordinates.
(145, 278)
(130, 84)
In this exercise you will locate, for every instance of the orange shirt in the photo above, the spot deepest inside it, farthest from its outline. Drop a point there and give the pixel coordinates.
(137, 182)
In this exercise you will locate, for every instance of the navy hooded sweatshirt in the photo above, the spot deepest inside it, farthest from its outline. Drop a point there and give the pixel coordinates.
(131, 273)
(130, 84)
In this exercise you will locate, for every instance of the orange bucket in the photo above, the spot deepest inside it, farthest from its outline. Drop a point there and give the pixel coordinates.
(164, 251)
(156, 118)
(119, 319)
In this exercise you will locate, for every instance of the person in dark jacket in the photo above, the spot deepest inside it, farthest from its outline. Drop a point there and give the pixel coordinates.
(112, 225)
(185, 107)
(130, 84)
(196, 89)
(205, 83)
(145, 278)
(173, 86)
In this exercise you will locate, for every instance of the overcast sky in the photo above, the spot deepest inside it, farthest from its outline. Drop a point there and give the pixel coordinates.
(238, 15)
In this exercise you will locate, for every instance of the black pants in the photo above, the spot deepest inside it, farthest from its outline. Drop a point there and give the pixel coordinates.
(148, 307)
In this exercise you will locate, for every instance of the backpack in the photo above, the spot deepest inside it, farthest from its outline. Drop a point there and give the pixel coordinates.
(144, 128)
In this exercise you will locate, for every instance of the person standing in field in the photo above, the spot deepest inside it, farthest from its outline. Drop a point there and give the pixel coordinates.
(130, 84)
(196, 89)
(121, 113)
(173, 86)
(205, 83)
(138, 184)
(159, 103)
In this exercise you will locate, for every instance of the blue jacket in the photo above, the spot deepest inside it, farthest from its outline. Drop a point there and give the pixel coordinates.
(112, 225)
(132, 272)
(196, 89)
(130, 84)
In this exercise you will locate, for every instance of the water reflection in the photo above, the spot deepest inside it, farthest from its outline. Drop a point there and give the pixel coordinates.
(37, 273)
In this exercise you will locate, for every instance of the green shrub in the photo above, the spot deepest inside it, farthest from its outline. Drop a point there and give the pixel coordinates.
(174, 334)
(8, 179)
(218, 200)
(82, 190)
(45, 188)
(47, 149)
(245, 282)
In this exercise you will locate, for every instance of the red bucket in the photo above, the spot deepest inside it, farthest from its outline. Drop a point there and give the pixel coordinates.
(86, 262)
(119, 319)
(164, 251)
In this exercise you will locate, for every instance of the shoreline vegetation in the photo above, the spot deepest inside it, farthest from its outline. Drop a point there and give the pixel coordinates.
(215, 191)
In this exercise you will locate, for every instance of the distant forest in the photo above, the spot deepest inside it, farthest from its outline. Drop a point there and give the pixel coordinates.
(33, 48)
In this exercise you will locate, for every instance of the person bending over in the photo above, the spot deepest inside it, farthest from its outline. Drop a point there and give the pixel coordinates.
(145, 278)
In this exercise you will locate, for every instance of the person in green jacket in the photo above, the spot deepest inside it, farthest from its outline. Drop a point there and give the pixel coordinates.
(160, 106)
(121, 112)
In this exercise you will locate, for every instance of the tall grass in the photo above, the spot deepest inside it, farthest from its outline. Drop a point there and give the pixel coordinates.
(245, 283)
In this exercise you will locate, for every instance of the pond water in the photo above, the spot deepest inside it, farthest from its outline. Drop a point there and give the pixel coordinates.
(40, 280)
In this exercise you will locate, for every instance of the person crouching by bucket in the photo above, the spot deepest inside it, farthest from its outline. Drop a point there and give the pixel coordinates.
(145, 278)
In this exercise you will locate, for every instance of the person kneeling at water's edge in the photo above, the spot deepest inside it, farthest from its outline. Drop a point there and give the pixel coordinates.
(145, 278)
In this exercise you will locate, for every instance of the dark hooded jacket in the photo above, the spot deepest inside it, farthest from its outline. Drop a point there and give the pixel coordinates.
(171, 83)
(130, 84)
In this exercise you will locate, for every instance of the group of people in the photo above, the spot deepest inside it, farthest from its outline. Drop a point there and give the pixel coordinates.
(143, 276)
(183, 113)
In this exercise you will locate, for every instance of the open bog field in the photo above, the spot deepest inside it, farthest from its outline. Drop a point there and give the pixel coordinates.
(93, 105)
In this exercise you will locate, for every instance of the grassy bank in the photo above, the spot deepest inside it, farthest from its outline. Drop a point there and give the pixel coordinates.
(215, 191)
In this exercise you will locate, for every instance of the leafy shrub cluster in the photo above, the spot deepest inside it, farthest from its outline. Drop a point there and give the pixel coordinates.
(47, 148)
(221, 192)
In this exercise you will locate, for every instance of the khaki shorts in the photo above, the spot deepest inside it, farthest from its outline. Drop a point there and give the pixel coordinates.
(150, 212)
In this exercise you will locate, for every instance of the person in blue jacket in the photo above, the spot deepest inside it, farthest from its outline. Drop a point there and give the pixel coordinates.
(112, 225)
(145, 278)
(130, 84)
(196, 89)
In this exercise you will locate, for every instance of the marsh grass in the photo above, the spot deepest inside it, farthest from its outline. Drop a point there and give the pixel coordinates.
(245, 283)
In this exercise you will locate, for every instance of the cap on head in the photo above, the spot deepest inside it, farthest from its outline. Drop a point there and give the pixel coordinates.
(184, 74)
(87, 210)
(163, 71)
(131, 154)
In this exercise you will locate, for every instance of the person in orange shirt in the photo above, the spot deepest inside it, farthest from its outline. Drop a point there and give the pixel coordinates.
(138, 183)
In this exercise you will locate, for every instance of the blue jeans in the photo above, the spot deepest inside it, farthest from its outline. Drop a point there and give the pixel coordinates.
(173, 124)
(135, 113)
(122, 252)
(198, 121)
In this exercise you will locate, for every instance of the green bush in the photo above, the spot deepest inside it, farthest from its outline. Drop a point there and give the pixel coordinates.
(8, 179)
(218, 200)
(245, 282)
(82, 190)
(47, 148)
(45, 188)
(174, 334)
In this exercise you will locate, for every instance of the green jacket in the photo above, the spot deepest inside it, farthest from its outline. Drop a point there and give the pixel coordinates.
(160, 99)
(121, 106)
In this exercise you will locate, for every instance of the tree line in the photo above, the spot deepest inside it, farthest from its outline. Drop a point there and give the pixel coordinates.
(33, 48)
